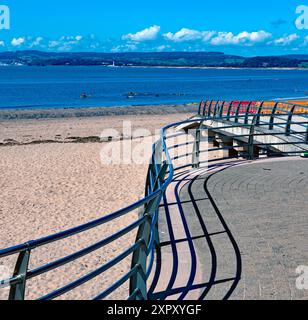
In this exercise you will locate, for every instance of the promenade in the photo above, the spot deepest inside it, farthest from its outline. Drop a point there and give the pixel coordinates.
(234, 232)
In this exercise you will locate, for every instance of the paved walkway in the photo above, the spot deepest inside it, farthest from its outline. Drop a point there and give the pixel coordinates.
(237, 231)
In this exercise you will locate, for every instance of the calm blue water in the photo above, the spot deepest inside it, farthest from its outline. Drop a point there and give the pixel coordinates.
(57, 87)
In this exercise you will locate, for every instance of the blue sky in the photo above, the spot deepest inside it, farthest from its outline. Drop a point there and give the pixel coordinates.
(239, 27)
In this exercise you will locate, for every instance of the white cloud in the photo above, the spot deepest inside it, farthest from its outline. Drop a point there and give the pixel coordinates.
(183, 40)
(124, 48)
(53, 44)
(16, 42)
(163, 48)
(284, 41)
(248, 38)
(147, 34)
(185, 35)
(37, 42)
(67, 43)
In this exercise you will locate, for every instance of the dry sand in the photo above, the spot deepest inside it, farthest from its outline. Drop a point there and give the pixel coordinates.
(49, 184)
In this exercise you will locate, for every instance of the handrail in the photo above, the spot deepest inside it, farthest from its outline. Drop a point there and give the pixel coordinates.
(253, 119)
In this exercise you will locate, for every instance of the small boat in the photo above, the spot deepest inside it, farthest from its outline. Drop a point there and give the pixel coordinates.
(131, 95)
(83, 96)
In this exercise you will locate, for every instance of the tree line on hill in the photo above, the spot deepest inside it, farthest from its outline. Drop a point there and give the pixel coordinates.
(164, 59)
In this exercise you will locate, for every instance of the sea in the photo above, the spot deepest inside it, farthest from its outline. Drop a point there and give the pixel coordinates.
(23, 87)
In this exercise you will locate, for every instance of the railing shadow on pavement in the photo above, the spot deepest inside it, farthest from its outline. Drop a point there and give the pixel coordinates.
(201, 233)
(255, 121)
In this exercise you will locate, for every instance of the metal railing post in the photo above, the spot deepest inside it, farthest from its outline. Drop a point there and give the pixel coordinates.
(258, 115)
(247, 113)
(229, 110)
(210, 109)
(196, 149)
(160, 181)
(215, 109)
(200, 107)
(204, 108)
(272, 119)
(222, 109)
(238, 112)
(290, 117)
(18, 289)
(251, 147)
(139, 281)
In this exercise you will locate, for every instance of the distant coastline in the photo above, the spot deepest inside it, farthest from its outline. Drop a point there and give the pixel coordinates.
(215, 68)
(164, 67)
(167, 67)
(152, 59)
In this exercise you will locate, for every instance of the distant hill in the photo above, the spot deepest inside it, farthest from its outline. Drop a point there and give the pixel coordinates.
(297, 56)
(165, 59)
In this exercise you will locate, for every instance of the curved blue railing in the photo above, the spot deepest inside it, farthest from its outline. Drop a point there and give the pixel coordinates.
(254, 119)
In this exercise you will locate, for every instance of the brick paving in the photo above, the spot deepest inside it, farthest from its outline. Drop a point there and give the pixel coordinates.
(243, 232)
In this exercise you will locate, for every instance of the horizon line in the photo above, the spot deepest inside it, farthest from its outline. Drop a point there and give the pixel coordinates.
(153, 52)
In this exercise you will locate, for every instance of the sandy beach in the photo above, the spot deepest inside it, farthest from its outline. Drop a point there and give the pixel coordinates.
(52, 179)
